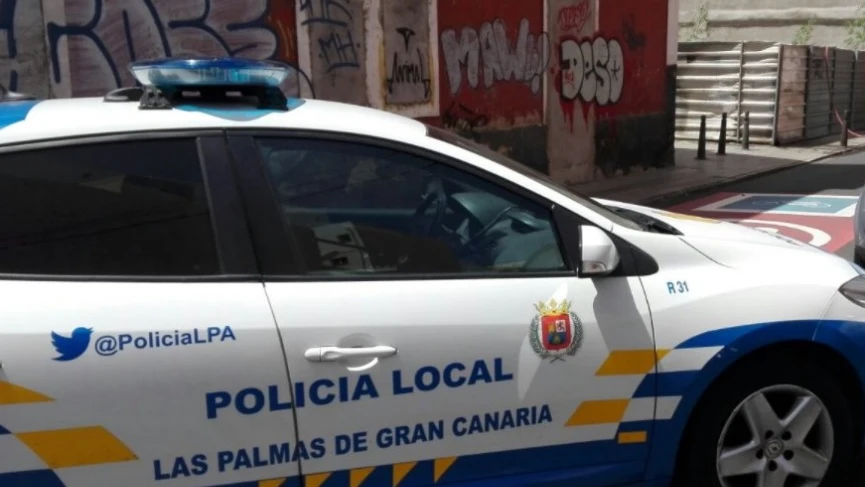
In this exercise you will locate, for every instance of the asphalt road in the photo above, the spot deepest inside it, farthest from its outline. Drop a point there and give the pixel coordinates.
(825, 217)
(804, 212)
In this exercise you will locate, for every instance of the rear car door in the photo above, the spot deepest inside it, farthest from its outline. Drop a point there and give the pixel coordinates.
(432, 344)
(131, 306)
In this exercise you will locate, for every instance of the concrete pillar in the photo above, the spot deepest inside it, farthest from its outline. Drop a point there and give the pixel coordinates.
(570, 122)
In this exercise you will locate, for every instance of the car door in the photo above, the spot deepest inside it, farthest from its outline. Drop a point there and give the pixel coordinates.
(432, 347)
(136, 341)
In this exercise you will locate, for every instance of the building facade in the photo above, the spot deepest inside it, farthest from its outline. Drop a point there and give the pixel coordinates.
(580, 89)
(773, 20)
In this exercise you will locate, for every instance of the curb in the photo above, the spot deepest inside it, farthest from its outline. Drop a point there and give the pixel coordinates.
(660, 200)
(843, 152)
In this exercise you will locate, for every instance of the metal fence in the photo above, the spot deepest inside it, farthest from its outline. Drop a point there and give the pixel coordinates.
(790, 93)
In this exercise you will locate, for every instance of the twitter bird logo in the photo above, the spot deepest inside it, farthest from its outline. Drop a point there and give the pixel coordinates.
(71, 347)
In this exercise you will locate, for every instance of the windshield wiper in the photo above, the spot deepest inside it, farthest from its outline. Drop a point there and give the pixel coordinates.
(646, 222)
(659, 227)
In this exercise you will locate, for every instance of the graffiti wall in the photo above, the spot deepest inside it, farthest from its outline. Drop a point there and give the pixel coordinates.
(574, 80)
(493, 56)
(23, 59)
(90, 43)
(577, 88)
(408, 70)
(636, 122)
(609, 87)
(335, 30)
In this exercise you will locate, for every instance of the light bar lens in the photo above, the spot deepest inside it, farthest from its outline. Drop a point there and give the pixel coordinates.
(179, 72)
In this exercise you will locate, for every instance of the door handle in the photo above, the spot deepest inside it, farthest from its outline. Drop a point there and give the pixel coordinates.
(334, 354)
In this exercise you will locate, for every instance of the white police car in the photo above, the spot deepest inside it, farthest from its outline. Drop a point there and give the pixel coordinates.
(207, 284)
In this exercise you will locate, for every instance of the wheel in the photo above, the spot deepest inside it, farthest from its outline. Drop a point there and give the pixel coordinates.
(770, 423)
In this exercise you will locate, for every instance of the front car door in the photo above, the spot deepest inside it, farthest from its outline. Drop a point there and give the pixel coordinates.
(136, 342)
(435, 329)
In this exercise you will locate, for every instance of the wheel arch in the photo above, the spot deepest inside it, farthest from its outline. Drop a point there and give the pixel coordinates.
(789, 341)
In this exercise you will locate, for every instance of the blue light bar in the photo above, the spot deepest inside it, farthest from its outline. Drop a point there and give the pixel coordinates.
(192, 72)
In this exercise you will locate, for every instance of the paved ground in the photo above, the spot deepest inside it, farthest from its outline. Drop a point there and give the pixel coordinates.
(812, 202)
(690, 174)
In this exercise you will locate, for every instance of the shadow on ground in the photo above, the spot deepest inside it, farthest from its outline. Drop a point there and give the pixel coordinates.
(836, 177)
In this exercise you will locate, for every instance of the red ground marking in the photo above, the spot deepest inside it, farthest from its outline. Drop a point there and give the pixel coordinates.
(839, 229)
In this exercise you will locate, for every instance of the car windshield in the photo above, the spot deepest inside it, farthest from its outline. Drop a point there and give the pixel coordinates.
(483, 151)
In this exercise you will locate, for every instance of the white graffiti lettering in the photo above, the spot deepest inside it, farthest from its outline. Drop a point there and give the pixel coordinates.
(594, 70)
(489, 48)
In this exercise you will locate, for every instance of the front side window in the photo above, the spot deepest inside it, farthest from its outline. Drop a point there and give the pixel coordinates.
(115, 209)
(354, 209)
(451, 138)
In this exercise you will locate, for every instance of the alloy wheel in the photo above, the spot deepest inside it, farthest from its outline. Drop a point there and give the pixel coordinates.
(780, 436)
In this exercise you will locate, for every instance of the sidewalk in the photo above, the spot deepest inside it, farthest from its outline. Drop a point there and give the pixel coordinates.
(651, 186)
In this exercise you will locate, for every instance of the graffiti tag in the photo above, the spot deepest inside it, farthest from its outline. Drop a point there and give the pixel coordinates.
(407, 71)
(574, 16)
(460, 117)
(592, 70)
(105, 37)
(633, 38)
(334, 40)
(489, 51)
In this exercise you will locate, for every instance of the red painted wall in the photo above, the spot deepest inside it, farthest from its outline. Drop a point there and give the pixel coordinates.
(516, 61)
(620, 68)
(641, 28)
(282, 20)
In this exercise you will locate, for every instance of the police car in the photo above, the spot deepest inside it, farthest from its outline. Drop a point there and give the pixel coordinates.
(206, 283)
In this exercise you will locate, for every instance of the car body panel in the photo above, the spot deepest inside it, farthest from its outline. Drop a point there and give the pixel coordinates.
(131, 399)
(742, 247)
(464, 351)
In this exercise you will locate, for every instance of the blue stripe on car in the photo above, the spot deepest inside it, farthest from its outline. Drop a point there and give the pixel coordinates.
(15, 111)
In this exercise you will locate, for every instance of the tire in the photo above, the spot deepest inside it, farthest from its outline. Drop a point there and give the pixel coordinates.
(776, 377)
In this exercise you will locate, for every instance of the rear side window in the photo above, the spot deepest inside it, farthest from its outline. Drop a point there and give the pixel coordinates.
(117, 209)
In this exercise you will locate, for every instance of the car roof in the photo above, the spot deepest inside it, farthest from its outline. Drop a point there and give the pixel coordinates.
(30, 121)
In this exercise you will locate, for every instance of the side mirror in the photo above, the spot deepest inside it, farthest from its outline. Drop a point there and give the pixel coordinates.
(598, 253)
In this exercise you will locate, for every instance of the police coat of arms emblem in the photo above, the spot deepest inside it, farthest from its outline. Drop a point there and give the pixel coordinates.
(555, 332)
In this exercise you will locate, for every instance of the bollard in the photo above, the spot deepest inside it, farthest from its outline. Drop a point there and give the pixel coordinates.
(844, 125)
(722, 140)
(746, 136)
(701, 140)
